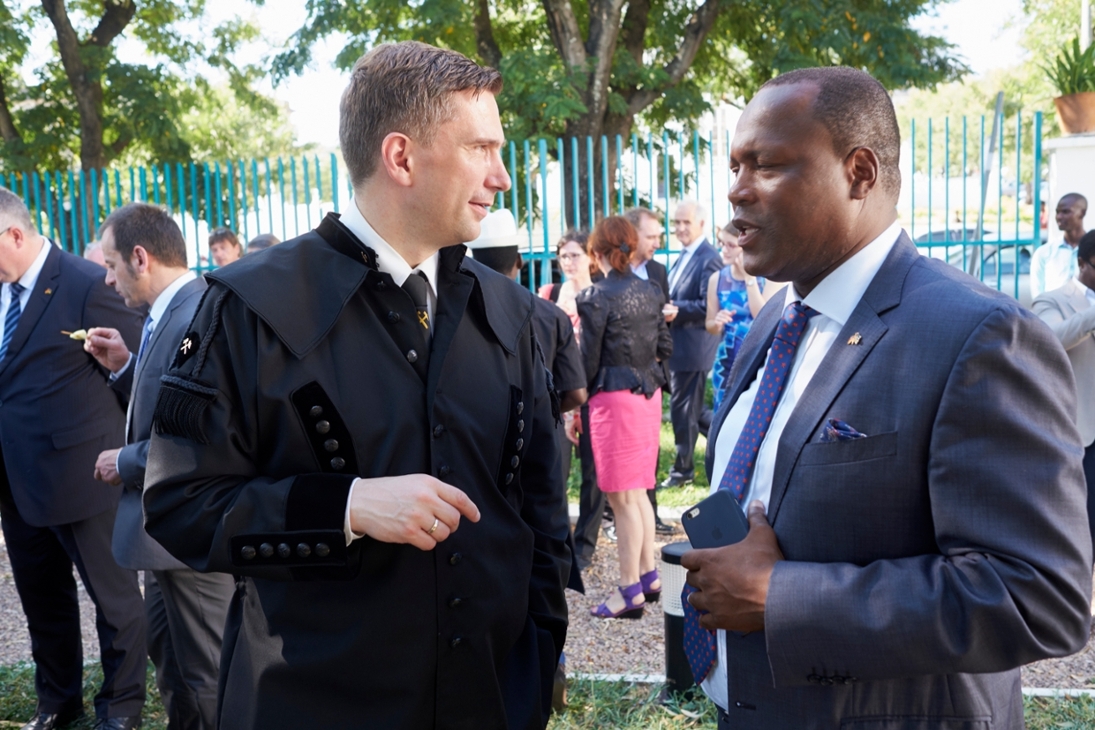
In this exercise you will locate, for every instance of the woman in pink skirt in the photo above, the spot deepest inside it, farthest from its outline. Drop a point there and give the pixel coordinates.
(624, 337)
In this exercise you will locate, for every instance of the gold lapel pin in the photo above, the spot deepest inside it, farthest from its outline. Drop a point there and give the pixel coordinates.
(48, 292)
(856, 339)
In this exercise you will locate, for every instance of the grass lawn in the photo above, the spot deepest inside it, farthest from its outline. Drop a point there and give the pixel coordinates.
(600, 705)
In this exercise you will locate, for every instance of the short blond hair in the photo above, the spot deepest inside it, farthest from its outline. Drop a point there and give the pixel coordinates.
(402, 87)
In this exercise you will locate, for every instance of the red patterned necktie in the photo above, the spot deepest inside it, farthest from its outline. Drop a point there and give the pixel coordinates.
(699, 643)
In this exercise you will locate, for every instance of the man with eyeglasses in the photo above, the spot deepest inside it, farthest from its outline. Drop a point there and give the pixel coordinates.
(1069, 312)
(693, 347)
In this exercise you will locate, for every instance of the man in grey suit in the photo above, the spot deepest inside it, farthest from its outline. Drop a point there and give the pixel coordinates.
(693, 347)
(908, 432)
(146, 263)
(1069, 313)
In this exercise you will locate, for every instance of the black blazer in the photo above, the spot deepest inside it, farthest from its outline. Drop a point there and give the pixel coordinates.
(693, 346)
(56, 413)
(624, 336)
(300, 379)
(657, 273)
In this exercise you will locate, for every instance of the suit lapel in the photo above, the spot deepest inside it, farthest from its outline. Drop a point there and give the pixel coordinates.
(689, 267)
(841, 363)
(36, 304)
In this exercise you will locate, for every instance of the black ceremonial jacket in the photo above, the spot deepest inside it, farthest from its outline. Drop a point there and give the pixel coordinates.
(296, 376)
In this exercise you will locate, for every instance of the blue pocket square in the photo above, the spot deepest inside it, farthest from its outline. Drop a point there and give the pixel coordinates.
(837, 430)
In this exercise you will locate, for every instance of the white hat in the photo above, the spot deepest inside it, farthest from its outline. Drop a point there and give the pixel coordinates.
(498, 229)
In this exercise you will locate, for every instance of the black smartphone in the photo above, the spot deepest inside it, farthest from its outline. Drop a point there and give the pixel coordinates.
(716, 521)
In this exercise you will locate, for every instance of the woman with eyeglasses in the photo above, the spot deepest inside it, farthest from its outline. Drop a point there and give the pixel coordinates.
(734, 298)
(624, 338)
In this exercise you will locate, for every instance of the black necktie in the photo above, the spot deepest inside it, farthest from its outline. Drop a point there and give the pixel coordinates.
(417, 285)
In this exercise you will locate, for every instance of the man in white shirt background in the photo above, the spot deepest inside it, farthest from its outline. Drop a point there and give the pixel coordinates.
(1069, 312)
(1053, 264)
(904, 442)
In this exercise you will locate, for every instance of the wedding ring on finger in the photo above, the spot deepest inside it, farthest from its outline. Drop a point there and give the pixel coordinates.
(433, 528)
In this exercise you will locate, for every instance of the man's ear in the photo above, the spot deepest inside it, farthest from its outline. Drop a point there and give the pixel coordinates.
(139, 259)
(862, 169)
(395, 156)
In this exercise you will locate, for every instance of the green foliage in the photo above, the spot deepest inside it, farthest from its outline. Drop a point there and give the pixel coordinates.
(1073, 72)
(186, 96)
(751, 41)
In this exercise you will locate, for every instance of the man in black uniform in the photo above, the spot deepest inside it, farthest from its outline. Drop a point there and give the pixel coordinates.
(359, 425)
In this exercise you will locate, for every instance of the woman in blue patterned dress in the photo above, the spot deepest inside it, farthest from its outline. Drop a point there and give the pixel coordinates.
(733, 299)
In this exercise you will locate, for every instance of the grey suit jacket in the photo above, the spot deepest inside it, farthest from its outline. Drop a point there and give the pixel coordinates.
(694, 347)
(1072, 318)
(928, 561)
(132, 546)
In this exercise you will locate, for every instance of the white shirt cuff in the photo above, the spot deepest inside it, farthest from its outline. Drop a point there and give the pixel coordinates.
(350, 534)
(115, 376)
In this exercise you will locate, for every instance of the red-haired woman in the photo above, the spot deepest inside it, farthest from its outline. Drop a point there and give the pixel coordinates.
(624, 337)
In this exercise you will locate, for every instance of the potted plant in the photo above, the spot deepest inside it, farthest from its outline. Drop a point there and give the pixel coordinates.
(1074, 76)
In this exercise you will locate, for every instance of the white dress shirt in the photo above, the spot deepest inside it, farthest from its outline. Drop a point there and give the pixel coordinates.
(834, 298)
(155, 313)
(390, 262)
(682, 261)
(388, 259)
(1051, 265)
(27, 280)
(640, 271)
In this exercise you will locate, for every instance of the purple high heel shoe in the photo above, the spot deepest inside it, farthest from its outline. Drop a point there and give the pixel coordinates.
(630, 609)
(646, 580)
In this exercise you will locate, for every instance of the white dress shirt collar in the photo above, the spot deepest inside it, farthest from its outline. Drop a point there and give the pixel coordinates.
(388, 259)
(30, 276)
(163, 301)
(838, 294)
(640, 270)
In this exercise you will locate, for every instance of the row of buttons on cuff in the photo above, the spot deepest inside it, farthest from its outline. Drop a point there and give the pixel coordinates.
(330, 445)
(830, 681)
(266, 550)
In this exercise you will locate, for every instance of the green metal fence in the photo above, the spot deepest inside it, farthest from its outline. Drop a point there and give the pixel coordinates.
(949, 167)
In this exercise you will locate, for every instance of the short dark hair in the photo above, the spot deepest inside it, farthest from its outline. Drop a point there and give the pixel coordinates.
(402, 87)
(1079, 198)
(579, 236)
(148, 226)
(224, 234)
(500, 258)
(858, 112)
(262, 241)
(1086, 249)
(635, 215)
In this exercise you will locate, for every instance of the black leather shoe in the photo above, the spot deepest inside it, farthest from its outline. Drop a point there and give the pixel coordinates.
(51, 721)
(674, 481)
(662, 528)
(118, 723)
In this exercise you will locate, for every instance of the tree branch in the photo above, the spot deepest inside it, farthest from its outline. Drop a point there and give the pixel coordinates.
(694, 34)
(633, 30)
(484, 35)
(8, 131)
(565, 34)
(604, 30)
(116, 17)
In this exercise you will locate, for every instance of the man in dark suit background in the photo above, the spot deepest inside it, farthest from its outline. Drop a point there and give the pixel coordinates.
(909, 433)
(693, 347)
(56, 417)
(146, 263)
